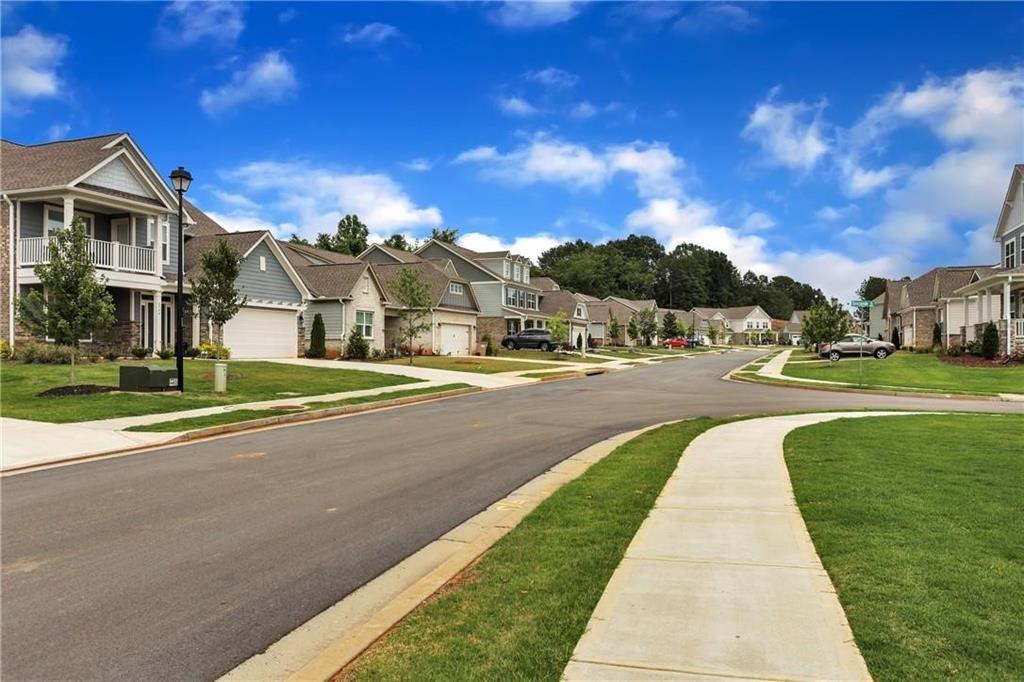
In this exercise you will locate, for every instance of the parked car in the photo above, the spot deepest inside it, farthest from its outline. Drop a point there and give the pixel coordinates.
(694, 341)
(529, 338)
(676, 342)
(855, 344)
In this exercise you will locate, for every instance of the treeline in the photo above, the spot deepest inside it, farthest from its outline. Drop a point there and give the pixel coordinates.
(689, 275)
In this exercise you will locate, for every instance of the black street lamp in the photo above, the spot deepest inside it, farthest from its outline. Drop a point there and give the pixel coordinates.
(180, 180)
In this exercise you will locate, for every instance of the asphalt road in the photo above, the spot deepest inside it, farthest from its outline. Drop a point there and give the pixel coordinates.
(183, 562)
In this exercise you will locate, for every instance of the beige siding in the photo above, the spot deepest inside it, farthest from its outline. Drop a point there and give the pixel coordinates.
(430, 339)
(369, 300)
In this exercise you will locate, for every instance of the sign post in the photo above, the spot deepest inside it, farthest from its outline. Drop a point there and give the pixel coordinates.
(864, 304)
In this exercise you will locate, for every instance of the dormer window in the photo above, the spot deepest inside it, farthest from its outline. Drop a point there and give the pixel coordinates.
(1010, 254)
(506, 269)
(455, 288)
(579, 311)
(518, 273)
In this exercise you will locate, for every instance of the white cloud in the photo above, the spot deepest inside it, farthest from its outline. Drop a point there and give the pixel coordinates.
(241, 221)
(235, 199)
(316, 198)
(553, 77)
(184, 23)
(715, 17)
(860, 181)
(419, 165)
(758, 221)
(831, 214)
(837, 274)
(583, 110)
(531, 247)
(535, 14)
(29, 61)
(546, 159)
(516, 106)
(271, 78)
(58, 131)
(789, 133)
(981, 249)
(370, 35)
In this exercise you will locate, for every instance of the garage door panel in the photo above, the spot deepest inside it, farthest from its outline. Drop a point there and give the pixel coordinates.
(261, 333)
(454, 339)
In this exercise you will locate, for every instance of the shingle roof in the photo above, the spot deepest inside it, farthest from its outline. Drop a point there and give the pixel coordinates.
(734, 313)
(635, 304)
(204, 225)
(300, 255)
(196, 246)
(598, 311)
(941, 280)
(399, 254)
(434, 277)
(50, 164)
(544, 283)
(335, 280)
(553, 301)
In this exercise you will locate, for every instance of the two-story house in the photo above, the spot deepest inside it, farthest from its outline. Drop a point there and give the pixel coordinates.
(500, 281)
(625, 309)
(129, 213)
(745, 324)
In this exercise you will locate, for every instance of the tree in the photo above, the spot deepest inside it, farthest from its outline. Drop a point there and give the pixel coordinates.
(647, 325)
(416, 306)
(990, 341)
(398, 241)
(357, 347)
(77, 303)
(559, 328)
(936, 334)
(351, 236)
(825, 322)
(669, 326)
(445, 234)
(317, 338)
(632, 330)
(614, 329)
(714, 332)
(214, 291)
(869, 289)
(296, 239)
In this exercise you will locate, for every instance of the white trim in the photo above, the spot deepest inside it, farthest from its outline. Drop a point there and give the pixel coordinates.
(116, 200)
(14, 222)
(164, 233)
(167, 191)
(64, 221)
(456, 289)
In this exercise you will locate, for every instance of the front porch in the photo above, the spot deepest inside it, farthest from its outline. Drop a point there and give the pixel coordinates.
(997, 298)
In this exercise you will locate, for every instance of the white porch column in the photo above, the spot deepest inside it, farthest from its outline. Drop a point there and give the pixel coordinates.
(69, 211)
(988, 306)
(153, 228)
(963, 339)
(158, 320)
(1006, 316)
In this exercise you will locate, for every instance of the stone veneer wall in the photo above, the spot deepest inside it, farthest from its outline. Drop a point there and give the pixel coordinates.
(495, 326)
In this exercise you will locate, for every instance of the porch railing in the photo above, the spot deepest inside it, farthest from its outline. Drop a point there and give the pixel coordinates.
(1018, 328)
(103, 254)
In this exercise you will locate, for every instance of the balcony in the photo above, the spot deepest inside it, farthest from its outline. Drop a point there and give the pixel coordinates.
(104, 255)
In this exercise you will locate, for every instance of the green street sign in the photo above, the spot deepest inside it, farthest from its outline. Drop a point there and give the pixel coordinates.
(863, 303)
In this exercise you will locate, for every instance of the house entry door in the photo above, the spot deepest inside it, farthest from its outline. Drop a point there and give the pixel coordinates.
(147, 322)
(167, 335)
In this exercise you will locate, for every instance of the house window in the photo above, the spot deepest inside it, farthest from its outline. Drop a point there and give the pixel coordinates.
(364, 321)
(531, 301)
(518, 273)
(263, 263)
(1010, 254)
(505, 268)
(366, 284)
(165, 242)
(54, 221)
(150, 231)
(579, 311)
(455, 288)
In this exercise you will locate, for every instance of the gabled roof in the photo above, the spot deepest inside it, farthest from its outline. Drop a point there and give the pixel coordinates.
(436, 279)
(798, 315)
(336, 280)
(301, 255)
(545, 283)
(204, 224)
(472, 257)
(399, 255)
(1016, 177)
(471, 254)
(634, 304)
(734, 313)
(242, 242)
(940, 282)
(597, 311)
(551, 302)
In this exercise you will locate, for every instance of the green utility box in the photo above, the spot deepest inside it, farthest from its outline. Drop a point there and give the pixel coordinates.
(141, 378)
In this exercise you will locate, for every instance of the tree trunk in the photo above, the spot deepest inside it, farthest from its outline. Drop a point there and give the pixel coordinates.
(218, 334)
(74, 351)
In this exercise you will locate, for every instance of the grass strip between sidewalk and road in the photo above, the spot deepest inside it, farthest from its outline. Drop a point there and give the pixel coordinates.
(460, 363)
(918, 521)
(519, 611)
(244, 415)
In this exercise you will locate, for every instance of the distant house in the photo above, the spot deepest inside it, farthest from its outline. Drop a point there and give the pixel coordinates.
(791, 332)
(555, 301)
(599, 315)
(745, 324)
(625, 309)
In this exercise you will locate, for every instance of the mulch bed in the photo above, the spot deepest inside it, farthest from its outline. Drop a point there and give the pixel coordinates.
(967, 360)
(77, 389)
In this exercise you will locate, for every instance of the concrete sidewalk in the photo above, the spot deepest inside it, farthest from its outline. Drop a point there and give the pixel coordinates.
(722, 581)
(439, 375)
(27, 442)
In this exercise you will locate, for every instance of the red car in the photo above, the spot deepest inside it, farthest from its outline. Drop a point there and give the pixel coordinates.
(676, 343)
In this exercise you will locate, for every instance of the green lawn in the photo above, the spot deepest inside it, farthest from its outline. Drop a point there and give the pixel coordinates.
(247, 381)
(919, 522)
(527, 354)
(469, 364)
(235, 416)
(916, 370)
(518, 613)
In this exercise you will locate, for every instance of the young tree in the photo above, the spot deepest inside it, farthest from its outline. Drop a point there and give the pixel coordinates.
(559, 328)
(669, 326)
(445, 234)
(990, 341)
(614, 329)
(647, 325)
(825, 322)
(714, 332)
(398, 241)
(936, 334)
(215, 290)
(357, 347)
(351, 236)
(77, 303)
(632, 329)
(416, 306)
(317, 338)
(296, 239)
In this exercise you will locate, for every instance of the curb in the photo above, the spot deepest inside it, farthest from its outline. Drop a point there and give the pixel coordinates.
(866, 391)
(310, 415)
(330, 641)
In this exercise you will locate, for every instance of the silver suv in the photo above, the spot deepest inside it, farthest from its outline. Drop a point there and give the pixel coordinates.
(856, 344)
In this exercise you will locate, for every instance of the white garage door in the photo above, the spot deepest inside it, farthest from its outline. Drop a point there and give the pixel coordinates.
(261, 333)
(455, 339)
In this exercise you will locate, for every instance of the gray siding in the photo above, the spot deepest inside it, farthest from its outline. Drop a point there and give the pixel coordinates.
(271, 285)
(466, 269)
(173, 222)
(488, 297)
(1015, 237)
(330, 311)
(496, 265)
(378, 257)
(462, 300)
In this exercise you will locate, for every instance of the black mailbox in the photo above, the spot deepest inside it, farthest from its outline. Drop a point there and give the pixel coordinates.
(142, 378)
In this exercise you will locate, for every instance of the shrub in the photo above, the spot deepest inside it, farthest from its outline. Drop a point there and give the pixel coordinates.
(214, 351)
(490, 348)
(49, 354)
(140, 353)
(192, 352)
(955, 351)
(317, 338)
(896, 338)
(378, 354)
(990, 341)
(165, 353)
(357, 348)
(112, 355)
(936, 334)
(5, 349)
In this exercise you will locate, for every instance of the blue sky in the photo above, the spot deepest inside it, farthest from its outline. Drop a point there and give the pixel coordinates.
(827, 141)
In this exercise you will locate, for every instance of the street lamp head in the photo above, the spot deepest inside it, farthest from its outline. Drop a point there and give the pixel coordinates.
(181, 179)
